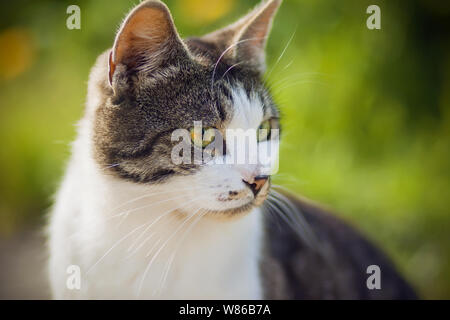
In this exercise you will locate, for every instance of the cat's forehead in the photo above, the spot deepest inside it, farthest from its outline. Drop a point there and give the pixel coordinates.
(210, 92)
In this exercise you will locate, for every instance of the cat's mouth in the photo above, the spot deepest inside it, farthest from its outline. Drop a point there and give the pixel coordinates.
(244, 201)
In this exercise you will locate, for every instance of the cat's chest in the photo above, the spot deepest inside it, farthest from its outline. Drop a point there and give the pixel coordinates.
(217, 260)
(207, 273)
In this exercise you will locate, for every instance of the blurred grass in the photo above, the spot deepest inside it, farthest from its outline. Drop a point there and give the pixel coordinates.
(366, 113)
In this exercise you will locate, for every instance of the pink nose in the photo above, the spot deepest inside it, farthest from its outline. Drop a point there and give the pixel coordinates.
(257, 183)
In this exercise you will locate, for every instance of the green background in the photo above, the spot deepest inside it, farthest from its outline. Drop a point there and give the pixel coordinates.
(366, 112)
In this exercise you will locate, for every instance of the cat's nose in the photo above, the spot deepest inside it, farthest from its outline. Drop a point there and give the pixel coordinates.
(256, 183)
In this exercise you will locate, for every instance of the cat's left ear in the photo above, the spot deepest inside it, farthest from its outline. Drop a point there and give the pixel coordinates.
(252, 39)
(146, 40)
(245, 40)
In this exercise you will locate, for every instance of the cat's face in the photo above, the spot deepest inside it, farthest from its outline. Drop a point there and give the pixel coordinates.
(159, 84)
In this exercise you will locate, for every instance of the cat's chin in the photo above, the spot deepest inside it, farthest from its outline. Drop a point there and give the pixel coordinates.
(244, 209)
(238, 211)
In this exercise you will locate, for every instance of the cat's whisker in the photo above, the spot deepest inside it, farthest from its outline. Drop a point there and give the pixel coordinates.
(277, 215)
(178, 245)
(296, 221)
(288, 65)
(160, 249)
(230, 68)
(287, 177)
(287, 182)
(280, 187)
(165, 274)
(178, 229)
(282, 53)
(125, 214)
(124, 218)
(145, 207)
(129, 234)
(157, 193)
(135, 250)
(120, 241)
(155, 245)
(281, 84)
(296, 83)
(299, 76)
(171, 258)
(296, 216)
(111, 166)
(165, 214)
(143, 242)
(225, 52)
(272, 213)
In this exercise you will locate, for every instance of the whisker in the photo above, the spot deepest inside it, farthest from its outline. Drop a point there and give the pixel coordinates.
(160, 249)
(299, 76)
(277, 186)
(146, 206)
(156, 193)
(127, 212)
(282, 53)
(296, 83)
(272, 214)
(155, 245)
(141, 244)
(114, 246)
(288, 65)
(225, 52)
(230, 68)
(111, 166)
(287, 211)
(164, 214)
(178, 245)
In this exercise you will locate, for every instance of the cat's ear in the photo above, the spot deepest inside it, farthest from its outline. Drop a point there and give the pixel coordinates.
(251, 40)
(245, 40)
(146, 40)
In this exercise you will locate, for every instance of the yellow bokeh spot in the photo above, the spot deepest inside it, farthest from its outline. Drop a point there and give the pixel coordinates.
(205, 11)
(16, 52)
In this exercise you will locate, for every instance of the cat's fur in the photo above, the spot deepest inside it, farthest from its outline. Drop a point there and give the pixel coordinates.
(140, 226)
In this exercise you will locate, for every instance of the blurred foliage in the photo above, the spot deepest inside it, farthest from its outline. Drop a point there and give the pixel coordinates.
(366, 112)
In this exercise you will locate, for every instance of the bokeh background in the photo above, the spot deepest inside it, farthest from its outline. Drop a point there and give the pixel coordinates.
(366, 112)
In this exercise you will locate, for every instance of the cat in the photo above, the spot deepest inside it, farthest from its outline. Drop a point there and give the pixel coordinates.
(140, 226)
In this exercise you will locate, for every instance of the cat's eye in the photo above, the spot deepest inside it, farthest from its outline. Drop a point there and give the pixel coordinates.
(204, 138)
(263, 133)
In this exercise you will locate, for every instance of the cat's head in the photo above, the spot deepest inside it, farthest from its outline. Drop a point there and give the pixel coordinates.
(157, 84)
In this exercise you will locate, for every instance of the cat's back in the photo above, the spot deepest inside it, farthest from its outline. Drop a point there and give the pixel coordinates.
(330, 263)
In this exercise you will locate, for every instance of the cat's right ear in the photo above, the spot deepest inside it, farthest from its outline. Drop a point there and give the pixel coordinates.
(146, 40)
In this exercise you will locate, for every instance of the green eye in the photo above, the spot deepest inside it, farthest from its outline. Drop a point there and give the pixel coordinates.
(264, 131)
(204, 139)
